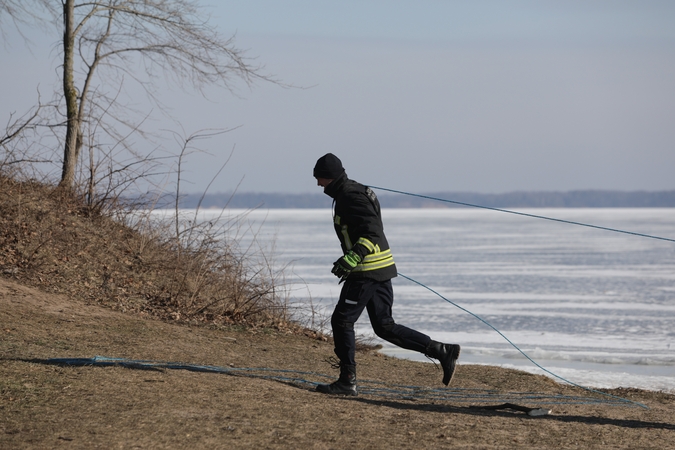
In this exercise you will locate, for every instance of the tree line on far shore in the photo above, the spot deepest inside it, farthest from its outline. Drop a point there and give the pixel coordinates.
(521, 199)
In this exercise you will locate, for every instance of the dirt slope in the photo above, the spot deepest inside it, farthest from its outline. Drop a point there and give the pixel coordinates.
(52, 406)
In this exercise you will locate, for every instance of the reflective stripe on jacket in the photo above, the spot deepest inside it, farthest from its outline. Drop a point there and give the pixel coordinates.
(358, 225)
(374, 259)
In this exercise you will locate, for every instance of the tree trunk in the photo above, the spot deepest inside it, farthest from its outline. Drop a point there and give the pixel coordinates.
(73, 120)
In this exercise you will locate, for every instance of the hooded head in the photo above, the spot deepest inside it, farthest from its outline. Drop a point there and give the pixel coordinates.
(329, 167)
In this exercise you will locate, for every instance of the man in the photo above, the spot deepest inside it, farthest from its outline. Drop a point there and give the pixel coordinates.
(366, 267)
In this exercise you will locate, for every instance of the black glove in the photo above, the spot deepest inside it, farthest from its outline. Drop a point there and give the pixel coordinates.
(344, 266)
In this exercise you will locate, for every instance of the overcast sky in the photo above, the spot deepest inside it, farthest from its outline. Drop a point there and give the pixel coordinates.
(427, 96)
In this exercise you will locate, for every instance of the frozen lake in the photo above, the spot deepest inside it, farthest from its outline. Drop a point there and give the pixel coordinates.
(593, 306)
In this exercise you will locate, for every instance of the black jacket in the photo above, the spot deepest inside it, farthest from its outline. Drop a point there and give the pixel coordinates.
(358, 225)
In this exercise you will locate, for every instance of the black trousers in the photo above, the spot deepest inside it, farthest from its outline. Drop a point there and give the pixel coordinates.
(377, 297)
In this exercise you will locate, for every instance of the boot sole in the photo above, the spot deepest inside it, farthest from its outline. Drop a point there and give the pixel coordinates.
(447, 378)
(329, 391)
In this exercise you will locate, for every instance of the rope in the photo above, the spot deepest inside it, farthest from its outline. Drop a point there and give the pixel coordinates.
(366, 387)
(375, 388)
(525, 214)
(518, 348)
(490, 325)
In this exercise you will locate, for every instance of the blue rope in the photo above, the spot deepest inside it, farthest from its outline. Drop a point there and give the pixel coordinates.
(412, 392)
(525, 214)
(536, 217)
(518, 348)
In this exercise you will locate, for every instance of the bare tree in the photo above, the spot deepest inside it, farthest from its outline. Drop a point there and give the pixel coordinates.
(105, 42)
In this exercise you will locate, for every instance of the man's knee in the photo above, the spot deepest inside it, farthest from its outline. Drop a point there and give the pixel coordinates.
(341, 324)
(384, 330)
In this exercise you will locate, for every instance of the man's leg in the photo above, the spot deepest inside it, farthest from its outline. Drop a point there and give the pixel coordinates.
(347, 311)
(381, 296)
(381, 300)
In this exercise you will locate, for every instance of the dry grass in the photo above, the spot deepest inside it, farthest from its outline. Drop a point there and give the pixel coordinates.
(76, 285)
(43, 405)
(184, 272)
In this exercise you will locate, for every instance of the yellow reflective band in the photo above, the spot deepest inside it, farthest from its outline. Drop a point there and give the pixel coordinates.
(374, 266)
(376, 261)
(345, 234)
(368, 245)
(374, 257)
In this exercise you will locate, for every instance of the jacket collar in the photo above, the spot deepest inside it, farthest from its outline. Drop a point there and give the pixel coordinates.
(332, 189)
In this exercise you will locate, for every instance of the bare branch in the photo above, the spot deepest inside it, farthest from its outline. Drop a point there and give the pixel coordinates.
(108, 45)
(20, 125)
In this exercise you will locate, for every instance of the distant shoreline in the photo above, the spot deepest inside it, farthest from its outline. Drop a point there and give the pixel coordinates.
(519, 199)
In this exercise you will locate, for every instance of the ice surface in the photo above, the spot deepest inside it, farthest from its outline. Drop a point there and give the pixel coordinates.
(592, 306)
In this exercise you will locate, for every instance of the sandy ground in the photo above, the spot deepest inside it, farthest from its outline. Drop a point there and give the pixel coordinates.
(402, 403)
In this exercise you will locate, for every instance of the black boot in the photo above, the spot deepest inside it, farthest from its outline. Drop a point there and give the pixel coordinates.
(345, 385)
(447, 355)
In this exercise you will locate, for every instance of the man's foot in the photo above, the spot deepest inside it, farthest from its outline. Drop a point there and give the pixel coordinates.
(345, 385)
(447, 355)
(337, 388)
